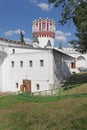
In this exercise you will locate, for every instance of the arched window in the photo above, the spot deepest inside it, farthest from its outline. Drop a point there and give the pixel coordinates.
(81, 62)
(13, 51)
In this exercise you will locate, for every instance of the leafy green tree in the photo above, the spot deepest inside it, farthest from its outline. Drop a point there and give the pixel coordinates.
(75, 10)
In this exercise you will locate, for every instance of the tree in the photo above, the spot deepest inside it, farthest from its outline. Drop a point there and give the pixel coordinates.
(75, 10)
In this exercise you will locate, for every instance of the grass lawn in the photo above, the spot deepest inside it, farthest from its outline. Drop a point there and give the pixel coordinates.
(22, 112)
(75, 84)
(65, 114)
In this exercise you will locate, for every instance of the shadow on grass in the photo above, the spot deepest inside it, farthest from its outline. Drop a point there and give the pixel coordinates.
(80, 124)
(30, 98)
(75, 80)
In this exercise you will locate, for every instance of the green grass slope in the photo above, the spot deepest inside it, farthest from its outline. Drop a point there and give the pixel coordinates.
(25, 112)
(65, 114)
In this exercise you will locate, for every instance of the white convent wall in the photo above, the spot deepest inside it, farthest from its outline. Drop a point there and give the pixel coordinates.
(55, 68)
(81, 59)
(37, 74)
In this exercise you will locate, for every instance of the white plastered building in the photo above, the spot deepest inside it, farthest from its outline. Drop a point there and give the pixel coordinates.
(80, 59)
(24, 68)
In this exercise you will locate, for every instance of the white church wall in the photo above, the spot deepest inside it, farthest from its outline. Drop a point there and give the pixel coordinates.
(41, 75)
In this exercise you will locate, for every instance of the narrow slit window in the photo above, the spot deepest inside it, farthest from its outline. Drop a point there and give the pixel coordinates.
(17, 85)
(12, 63)
(38, 86)
(30, 63)
(21, 63)
(41, 63)
(13, 51)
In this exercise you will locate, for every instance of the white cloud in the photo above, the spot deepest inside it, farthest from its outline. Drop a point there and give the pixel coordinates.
(43, 6)
(11, 32)
(51, 6)
(17, 31)
(28, 41)
(67, 34)
(61, 36)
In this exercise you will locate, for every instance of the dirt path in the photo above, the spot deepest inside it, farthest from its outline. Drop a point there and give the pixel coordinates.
(3, 93)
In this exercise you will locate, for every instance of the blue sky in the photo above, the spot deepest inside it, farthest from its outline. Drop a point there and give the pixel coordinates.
(16, 15)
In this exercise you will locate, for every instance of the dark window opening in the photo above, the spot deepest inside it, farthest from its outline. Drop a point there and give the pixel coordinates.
(16, 85)
(38, 87)
(21, 63)
(30, 63)
(12, 63)
(41, 63)
(13, 51)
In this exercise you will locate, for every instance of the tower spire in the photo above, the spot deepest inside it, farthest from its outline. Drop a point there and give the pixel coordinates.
(22, 37)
